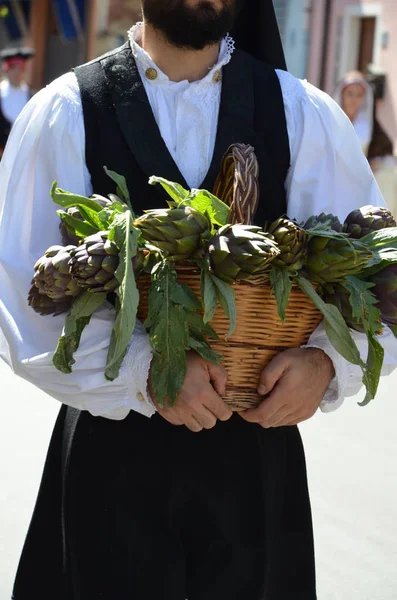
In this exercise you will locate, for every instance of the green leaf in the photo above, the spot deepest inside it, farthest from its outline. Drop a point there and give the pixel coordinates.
(128, 300)
(384, 237)
(169, 334)
(282, 286)
(338, 332)
(198, 328)
(176, 191)
(122, 188)
(208, 294)
(371, 377)
(182, 294)
(227, 299)
(77, 227)
(91, 217)
(66, 199)
(209, 205)
(205, 350)
(364, 304)
(76, 320)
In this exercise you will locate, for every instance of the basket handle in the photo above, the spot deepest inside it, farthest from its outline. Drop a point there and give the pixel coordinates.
(237, 183)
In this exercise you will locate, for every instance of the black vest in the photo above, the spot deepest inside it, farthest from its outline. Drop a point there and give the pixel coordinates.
(122, 134)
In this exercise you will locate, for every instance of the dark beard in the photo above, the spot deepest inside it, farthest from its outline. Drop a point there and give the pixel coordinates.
(186, 27)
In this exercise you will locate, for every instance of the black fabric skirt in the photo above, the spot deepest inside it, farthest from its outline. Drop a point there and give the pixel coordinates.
(142, 510)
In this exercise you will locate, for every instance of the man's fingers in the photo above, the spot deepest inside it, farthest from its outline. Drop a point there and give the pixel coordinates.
(269, 407)
(217, 406)
(272, 373)
(193, 424)
(218, 376)
(205, 417)
(278, 418)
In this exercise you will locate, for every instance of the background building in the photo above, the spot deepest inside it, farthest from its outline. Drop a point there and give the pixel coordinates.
(349, 35)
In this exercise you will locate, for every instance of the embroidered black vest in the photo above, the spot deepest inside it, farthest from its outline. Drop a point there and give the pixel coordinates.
(122, 134)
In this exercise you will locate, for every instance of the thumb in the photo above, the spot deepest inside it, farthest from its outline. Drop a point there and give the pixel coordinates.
(218, 377)
(271, 374)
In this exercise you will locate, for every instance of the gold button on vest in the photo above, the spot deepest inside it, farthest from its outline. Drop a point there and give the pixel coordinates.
(151, 74)
(217, 77)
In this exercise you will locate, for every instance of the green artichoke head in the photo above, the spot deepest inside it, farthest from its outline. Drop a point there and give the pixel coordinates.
(328, 221)
(93, 264)
(241, 252)
(181, 233)
(52, 277)
(367, 219)
(291, 240)
(385, 290)
(331, 260)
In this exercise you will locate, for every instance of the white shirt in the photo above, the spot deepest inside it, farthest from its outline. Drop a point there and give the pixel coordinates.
(13, 99)
(328, 173)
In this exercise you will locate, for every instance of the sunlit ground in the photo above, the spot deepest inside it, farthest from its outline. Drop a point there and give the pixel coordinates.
(352, 461)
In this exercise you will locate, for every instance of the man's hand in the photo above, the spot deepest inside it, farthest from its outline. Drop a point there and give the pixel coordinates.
(199, 403)
(295, 382)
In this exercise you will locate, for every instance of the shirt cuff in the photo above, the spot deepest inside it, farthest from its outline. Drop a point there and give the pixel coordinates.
(136, 367)
(334, 395)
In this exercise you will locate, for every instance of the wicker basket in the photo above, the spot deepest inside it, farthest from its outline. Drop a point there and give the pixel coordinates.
(259, 333)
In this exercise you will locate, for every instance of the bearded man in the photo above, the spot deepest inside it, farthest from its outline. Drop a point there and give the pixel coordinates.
(149, 503)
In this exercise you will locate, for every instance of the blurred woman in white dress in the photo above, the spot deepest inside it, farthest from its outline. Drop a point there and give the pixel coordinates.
(356, 97)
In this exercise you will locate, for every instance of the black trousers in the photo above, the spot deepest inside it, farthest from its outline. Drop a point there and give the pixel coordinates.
(143, 510)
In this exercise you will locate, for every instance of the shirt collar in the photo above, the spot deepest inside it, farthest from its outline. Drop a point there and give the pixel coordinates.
(145, 62)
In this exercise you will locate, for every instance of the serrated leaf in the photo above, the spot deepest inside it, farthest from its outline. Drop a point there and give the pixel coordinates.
(67, 199)
(128, 300)
(209, 205)
(122, 188)
(205, 350)
(91, 217)
(208, 294)
(384, 237)
(227, 299)
(169, 334)
(372, 375)
(174, 190)
(198, 328)
(281, 286)
(335, 326)
(76, 320)
(364, 304)
(77, 227)
(182, 294)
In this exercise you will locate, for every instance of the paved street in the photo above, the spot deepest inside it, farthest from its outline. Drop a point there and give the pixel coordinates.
(352, 459)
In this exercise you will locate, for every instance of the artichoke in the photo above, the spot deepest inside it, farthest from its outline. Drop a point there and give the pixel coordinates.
(52, 277)
(385, 290)
(44, 305)
(329, 221)
(94, 263)
(367, 219)
(67, 233)
(68, 236)
(341, 299)
(241, 252)
(180, 232)
(331, 260)
(292, 242)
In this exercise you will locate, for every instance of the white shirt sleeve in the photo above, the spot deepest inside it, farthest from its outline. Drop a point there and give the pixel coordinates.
(329, 173)
(48, 143)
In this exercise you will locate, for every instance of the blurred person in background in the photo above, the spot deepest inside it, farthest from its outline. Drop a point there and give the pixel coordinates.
(14, 91)
(356, 97)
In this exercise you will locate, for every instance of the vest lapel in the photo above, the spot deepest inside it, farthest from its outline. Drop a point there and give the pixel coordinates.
(141, 132)
(136, 119)
(236, 115)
